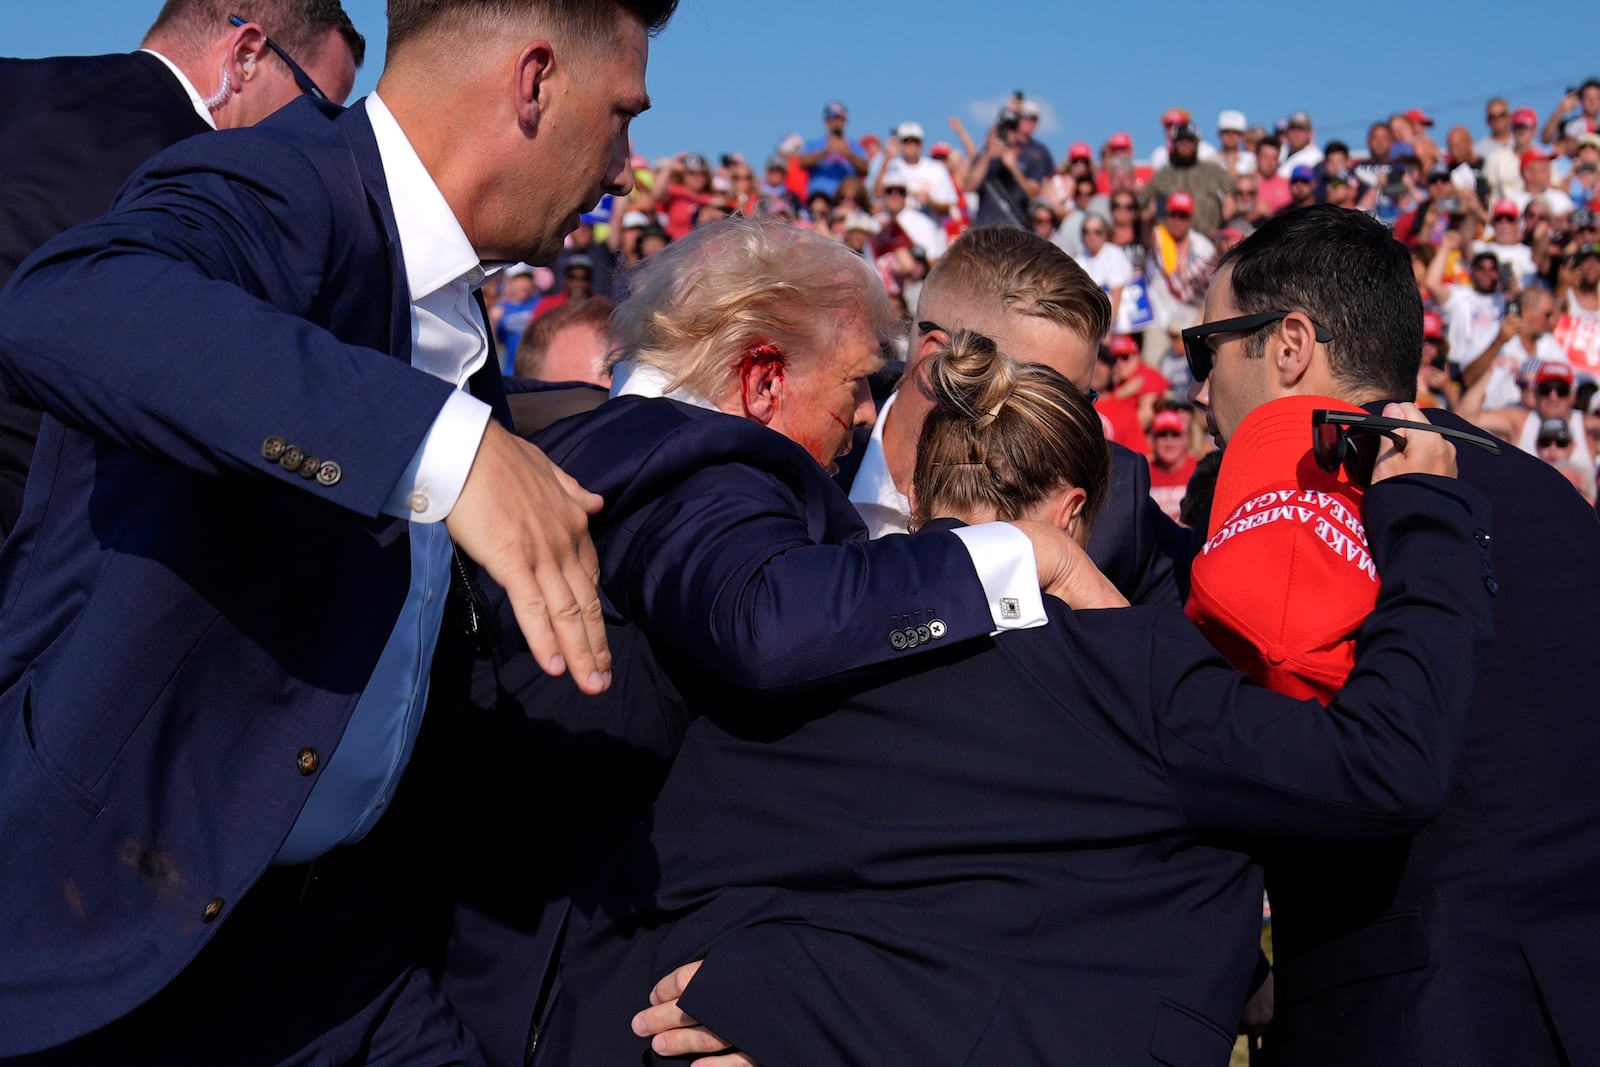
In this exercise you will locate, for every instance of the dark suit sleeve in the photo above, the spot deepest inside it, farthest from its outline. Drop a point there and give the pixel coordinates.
(1377, 762)
(736, 573)
(176, 326)
(1133, 542)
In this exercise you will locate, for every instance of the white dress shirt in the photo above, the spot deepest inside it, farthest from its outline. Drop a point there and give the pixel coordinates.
(448, 340)
(188, 87)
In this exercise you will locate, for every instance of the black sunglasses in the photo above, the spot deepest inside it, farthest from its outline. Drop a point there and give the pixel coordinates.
(1350, 439)
(1197, 344)
(926, 327)
(1554, 439)
(301, 78)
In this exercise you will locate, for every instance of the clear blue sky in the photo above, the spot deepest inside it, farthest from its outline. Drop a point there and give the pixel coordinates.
(736, 76)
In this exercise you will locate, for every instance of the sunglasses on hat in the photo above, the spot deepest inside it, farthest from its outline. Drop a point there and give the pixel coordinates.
(1350, 439)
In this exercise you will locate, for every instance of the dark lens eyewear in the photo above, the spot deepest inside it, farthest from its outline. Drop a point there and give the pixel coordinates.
(1351, 438)
(1561, 389)
(1547, 442)
(1197, 339)
(301, 78)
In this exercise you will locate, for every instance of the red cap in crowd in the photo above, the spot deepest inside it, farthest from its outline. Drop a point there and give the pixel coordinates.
(1166, 422)
(1120, 140)
(1123, 345)
(1505, 209)
(1180, 203)
(1174, 115)
(1279, 601)
(1551, 371)
(1524, 116)
(1080, 150)
(940, 150)
(1432, 327)
(1534, 155)
(1419, 117)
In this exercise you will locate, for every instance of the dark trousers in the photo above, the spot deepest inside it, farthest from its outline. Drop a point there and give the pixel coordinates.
(316, 967)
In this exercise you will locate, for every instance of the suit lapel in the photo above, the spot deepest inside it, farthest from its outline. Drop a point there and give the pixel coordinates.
(357, 130)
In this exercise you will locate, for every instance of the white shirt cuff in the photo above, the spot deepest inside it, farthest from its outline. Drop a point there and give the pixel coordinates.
(1003, 558)
(430, 484)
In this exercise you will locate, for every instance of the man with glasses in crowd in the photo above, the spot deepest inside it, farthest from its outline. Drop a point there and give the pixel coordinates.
(1524, 341)
(73, 128)
(1468, 943)
(1551, 387)
(277, 435)
(1471, 311)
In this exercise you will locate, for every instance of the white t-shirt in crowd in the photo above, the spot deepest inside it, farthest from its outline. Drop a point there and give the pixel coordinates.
(1110, 268)
(1471, 321)
(927, 180)
(1520, 256)
(1309, 156)
(1511, 364)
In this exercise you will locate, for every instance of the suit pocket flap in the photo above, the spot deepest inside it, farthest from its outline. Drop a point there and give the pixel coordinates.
(1185, 1038)
(1391, 945)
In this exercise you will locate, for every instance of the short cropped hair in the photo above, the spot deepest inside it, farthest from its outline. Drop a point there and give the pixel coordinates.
(702, 303)
(589, 20)
(1346, 271)
(1023, 273)
(298, 26)
(1003, 436)
(595, 313)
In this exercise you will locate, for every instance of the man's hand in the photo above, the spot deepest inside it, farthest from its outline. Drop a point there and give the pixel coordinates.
(674, 1033)
(1257, 1010)
(527, 523)
(1423, 453)
(1066, 571)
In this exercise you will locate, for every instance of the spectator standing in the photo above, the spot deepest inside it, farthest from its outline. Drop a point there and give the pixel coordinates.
(1522, 343)
(1506, 242)
(1178, 267)
(1581, 105)
(1206, 183)
(1272, 188)
(1171, 119)
(834, 157)
(1005, 188)
(1578, 304)
(926, 181)
(1105, 263)
(1301, 143)
(1471, 311)
(1536, 184)
(1171, 463)
(1302, 188)
(684, 184)
(1032, 154)
(1497, 116)
(1233, 156)
(602, 260)
(512, 313)
(1522, 425)
(1503, 166)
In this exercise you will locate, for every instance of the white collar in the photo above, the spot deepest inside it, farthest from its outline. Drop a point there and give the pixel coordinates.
(433, 245)
(188, 87)
(873, 483)
(641, 379)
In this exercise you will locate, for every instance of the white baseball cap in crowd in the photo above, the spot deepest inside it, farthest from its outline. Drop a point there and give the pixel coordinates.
(1232, 121)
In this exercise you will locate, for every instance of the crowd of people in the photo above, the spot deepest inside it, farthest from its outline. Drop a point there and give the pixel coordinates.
(751, 620)
(1504, 212)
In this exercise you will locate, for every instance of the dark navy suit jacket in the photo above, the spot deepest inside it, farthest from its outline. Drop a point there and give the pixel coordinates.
(72, 129)
(1025, 850)
(728, 558)
(1474, 942)
(182, 616)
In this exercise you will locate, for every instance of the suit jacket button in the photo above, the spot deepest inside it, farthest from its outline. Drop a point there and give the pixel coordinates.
(936, 628)
(292, 455)
(1483, 537)
(212, 910)
(272, 448)
(329, 473)
(898, 640)
(1491, 585)
(308, 467)
(307, 761)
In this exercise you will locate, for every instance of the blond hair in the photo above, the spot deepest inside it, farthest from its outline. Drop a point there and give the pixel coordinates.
(1022, 273)
(1004, 436)
(704, 302)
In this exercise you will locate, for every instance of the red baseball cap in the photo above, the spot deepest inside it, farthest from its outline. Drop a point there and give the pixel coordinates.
(1419, 117)
(1432, 327)
(940, 150)
(1551, 371)
(1080, 150)
(1123, 345)
(1524, 116)
(1166, 421)
(1120, 140)
(1181, 202)
(1534, 155)
(1285, 578)
(1174, 115)
(1505, 209)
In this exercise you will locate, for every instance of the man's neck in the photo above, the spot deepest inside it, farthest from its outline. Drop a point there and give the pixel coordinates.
(900, 445)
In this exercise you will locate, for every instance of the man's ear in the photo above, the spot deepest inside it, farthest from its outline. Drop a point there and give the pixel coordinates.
(532, 69)
(1293, 349)
(1069, 506)
(762, 382)
(246, 52)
